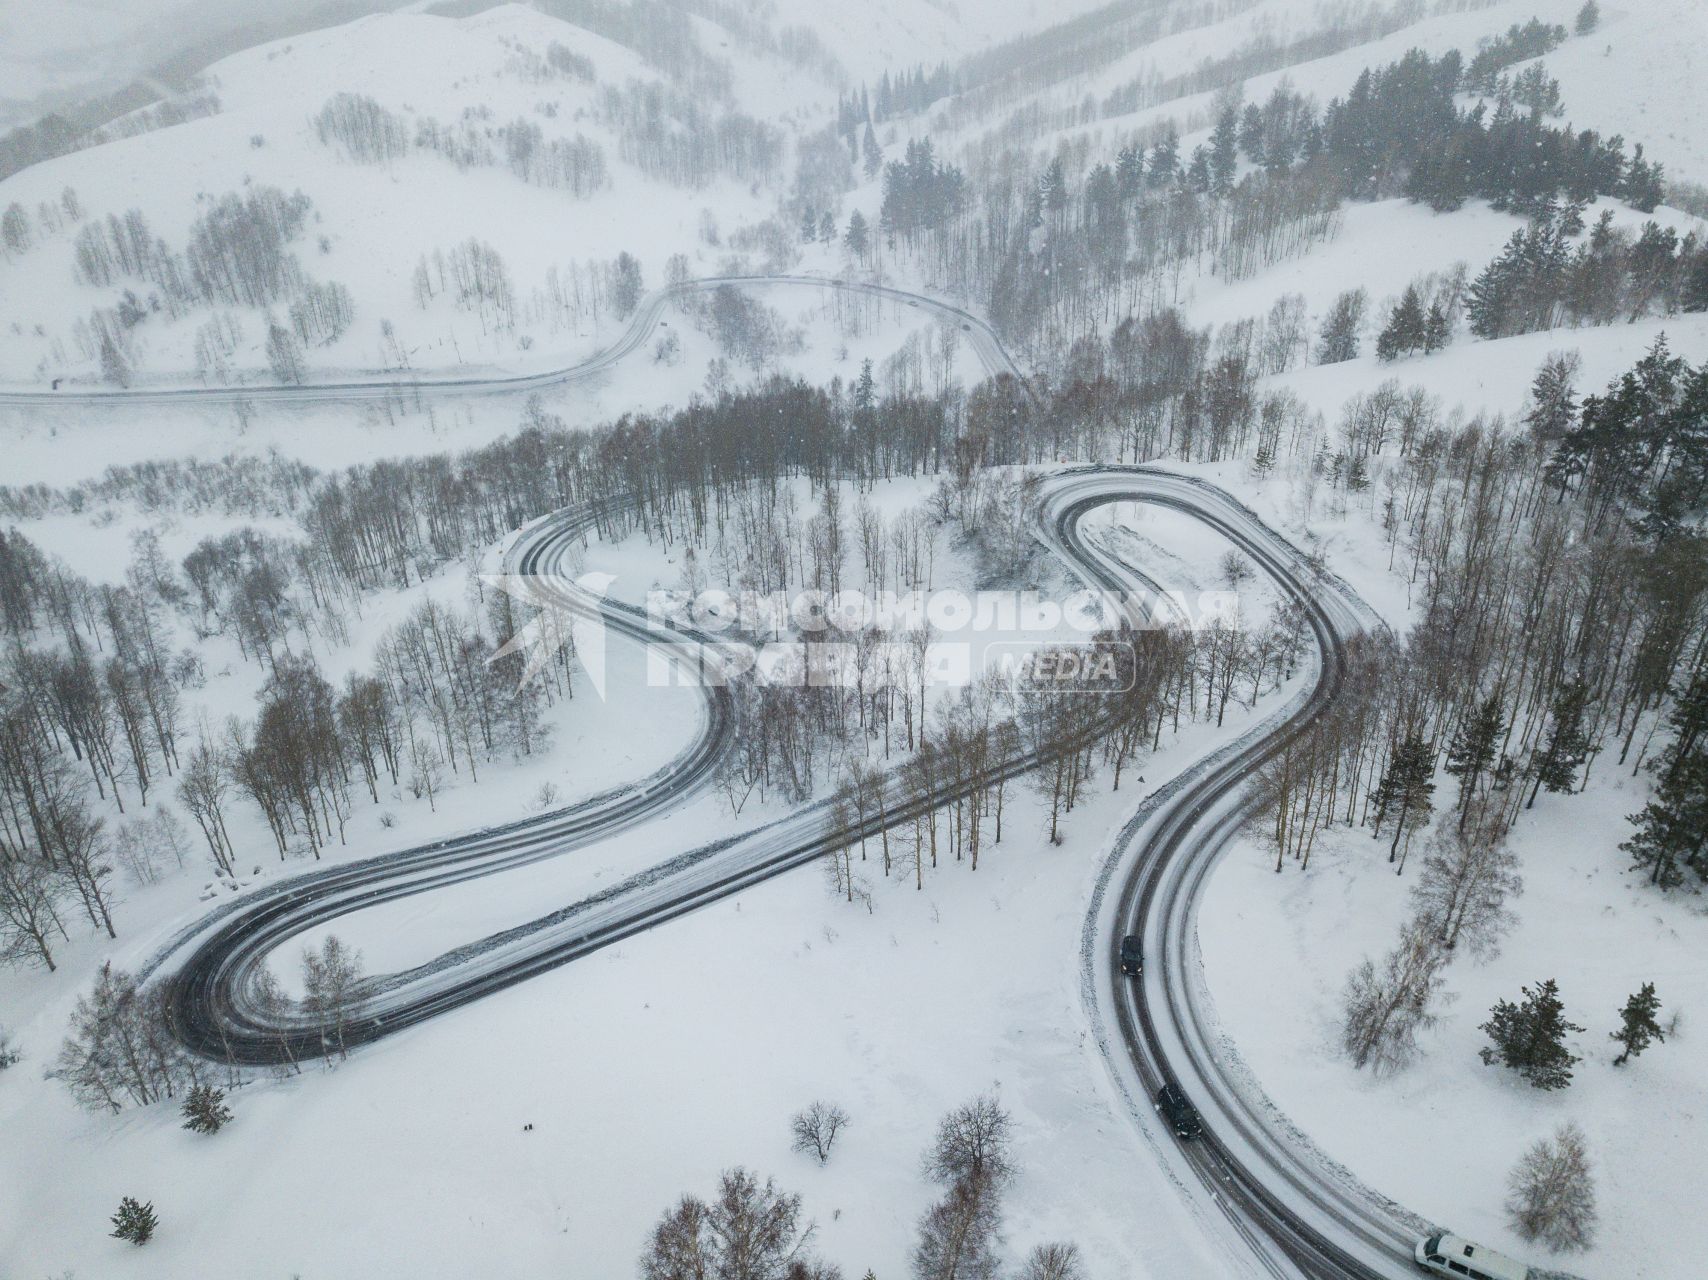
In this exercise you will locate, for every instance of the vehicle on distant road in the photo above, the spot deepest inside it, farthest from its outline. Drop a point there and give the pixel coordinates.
(1449, 1255)
(1181, 1115)
(1132, 956)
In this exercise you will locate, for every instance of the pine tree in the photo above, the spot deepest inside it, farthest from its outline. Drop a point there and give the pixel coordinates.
(809, 227)
(134, 1222)
(1437, 328)
(1530, 1037)
(1338, 340)
(625, 284)
(1644, 185)
(15, 228)
(1263, 462)
(1129, 172)
(114, 367)
(1557, 763)
(1672, 829)
(857, 239)
(1637, 1025)
(1490, 298)
(1251, 132)
(1405, 331)
(1197, 176)
(1589, 17)
(1472, 750)
(205, 1111)
(865, 390)
(1165, 160)
(1052, 187)
(1408, 788)
(871, 154)
(1224, 152)
(1553, 398)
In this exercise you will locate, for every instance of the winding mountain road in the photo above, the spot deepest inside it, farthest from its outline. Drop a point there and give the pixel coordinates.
(1299, 1216)
(647, 318)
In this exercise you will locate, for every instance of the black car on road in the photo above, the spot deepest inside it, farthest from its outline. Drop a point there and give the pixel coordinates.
(1181, 1115)
(1132, 956)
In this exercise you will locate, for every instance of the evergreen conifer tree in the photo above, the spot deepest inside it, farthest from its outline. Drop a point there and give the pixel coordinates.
(857, 238)
(205, 1111)
(1407, 789)
(1198, 172)
(1637, 1025)
(1672, 829)
(1567, 745)
(1530, 1037)
(1339, 338)
(1165, 161)
(1251, 132)
(1553, 398)
(1644, 184)
(1224, 152)
(114, 367)
(134, 1222)
(1437, 328)
(1472, 750)
(1405, 330)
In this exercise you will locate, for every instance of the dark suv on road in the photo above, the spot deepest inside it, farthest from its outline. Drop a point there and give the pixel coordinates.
(1181, 1115)
(1132, 956)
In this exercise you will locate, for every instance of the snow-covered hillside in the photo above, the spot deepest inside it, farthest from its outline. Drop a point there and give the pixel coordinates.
(454, 193)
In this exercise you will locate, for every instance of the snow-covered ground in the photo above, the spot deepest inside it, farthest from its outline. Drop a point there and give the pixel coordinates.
(645, 1071)
(647, 1068)
(1441, 1137)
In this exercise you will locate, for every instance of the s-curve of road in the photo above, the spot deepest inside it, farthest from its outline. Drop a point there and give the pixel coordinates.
(1299, 1216)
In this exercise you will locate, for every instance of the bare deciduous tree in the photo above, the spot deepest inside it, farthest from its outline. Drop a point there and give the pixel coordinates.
(1468, 875)
(972, 1143)
(752, 1231)
(119, 1050)
(815, 1128)
(957, 1235)
(330, 981)
(1552, 1192)
(1385, 1008)
(204, 786)
(1054, 1261)
(29, 915)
